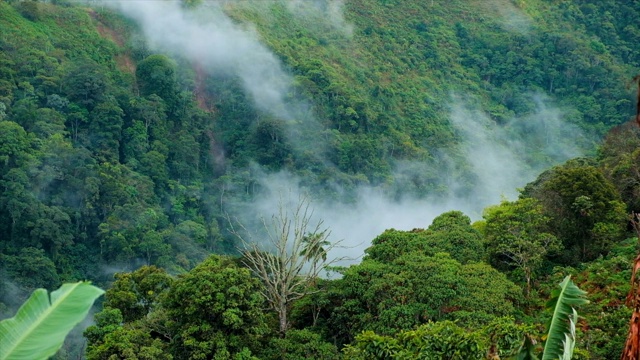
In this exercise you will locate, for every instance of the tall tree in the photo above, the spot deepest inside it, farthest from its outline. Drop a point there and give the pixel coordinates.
(215, 311)
(516, 234)
(585, 210)
(156, 75)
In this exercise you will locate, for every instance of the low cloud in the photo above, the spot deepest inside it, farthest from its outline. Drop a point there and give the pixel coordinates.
(211, 39)
(510, 16)
(327, 12)
(505, 157)
(502, 158)
(354, 224)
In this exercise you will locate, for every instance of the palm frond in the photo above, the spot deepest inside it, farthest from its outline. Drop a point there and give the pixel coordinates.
(40, 326)
(563, 319)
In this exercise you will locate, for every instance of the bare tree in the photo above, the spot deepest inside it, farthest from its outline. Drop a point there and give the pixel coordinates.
(289, 257)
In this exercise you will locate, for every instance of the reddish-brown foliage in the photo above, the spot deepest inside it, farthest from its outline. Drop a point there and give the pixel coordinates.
(632, 346)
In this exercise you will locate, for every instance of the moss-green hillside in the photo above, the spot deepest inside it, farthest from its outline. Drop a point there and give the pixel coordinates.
(384, 75)
(114, 156)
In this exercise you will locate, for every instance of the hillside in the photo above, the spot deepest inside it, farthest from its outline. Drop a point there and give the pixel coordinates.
(392, 73)
(136, 133)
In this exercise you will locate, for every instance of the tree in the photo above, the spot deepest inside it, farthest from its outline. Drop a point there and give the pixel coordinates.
(137, 293)
(493, 295)
(30, 10)
(86, 83)
(128, 343)
(14, 145)
(294, 256)
(300, 344)
(450, 232)
(499, 339)
(31, 268)
(106, 129)
(516, 234)
(620, 162)
(156, 75)
(215, 311)
(415, 289)
(432, 341)
(270, 142)
(584, 208)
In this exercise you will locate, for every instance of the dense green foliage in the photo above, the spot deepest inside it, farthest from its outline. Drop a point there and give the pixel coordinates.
(89, 174)
(450, 232)
(213, 311)
(585, 210)
(382, 80)
(441, 340)
(516, 235)
(115, 157)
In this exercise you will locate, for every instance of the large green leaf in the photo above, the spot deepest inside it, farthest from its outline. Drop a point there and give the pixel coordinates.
(563, 320)
(42, 323)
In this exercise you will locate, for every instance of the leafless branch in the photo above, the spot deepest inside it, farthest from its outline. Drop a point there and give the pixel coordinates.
(289, 256)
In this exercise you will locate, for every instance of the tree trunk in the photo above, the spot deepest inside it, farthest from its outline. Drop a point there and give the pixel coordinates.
(284, 324)
(527, 274)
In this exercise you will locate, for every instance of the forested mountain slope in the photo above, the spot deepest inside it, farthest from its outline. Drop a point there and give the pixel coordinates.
(117, 150)
(385, 74)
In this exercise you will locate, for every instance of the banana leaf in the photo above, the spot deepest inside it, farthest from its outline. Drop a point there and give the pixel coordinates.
(40, 326)
(561, 329)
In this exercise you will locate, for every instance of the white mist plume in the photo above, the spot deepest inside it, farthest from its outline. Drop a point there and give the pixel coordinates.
(353, 224)
(512, 18)
(497, 154)
(211, 39)
(11, 296)
(330, 12)
(507, 157)
(494, 162)
(503, 158)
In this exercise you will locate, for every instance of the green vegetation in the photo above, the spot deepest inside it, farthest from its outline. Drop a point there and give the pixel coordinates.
(116, 159)
(213, 311)
(383, 81)
(89, 173)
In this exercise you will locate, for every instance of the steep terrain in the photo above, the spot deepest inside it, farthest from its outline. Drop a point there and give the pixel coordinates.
(121, 148)
(387, 74)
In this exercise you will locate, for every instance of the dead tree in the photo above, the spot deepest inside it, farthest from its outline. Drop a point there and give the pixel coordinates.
(288, 257)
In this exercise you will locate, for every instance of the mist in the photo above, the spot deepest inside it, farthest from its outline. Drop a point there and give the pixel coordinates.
(11, 296)
(209, 39)
(214, 42)
(327, 12)
(510, 16)
(505, 157)
(502, 157)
